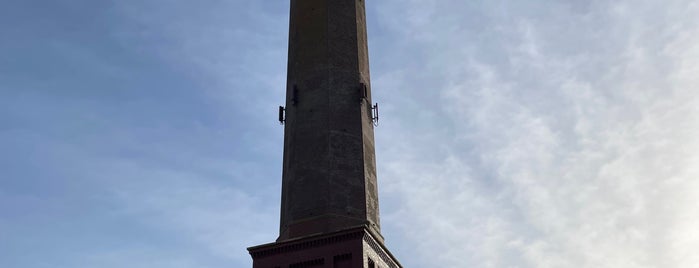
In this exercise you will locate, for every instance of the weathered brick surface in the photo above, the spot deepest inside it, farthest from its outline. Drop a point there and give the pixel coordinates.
(330, 209)
(329, 170)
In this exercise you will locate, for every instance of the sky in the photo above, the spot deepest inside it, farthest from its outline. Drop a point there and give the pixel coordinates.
(513, 133)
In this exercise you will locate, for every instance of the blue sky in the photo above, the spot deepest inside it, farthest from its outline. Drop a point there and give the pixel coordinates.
(513, 133)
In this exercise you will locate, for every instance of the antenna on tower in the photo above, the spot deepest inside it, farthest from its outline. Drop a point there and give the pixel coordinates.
(282, 113)
(375, 114)
(363, 92)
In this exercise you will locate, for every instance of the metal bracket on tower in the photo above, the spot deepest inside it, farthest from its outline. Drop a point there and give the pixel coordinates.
(295, 95)
(363, 92)
(282, 115)
(375, 114)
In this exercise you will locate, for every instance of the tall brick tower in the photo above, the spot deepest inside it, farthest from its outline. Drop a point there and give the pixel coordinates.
(329, 210)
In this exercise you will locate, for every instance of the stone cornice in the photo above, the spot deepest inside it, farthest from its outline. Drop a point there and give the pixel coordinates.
(306, 242)
(357, 233)
(381, 250)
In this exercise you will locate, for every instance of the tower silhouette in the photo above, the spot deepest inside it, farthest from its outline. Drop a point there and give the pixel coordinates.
(329, 207)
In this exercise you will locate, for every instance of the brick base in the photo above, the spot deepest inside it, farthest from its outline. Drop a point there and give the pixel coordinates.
(351, 248)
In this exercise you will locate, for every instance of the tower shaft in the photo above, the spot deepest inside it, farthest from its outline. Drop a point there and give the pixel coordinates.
(329, 171)
(330, 210)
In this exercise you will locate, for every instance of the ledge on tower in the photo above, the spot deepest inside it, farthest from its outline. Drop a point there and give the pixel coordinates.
(351, 248)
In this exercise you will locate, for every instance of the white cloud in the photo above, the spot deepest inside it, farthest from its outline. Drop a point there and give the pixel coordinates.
(567, 134)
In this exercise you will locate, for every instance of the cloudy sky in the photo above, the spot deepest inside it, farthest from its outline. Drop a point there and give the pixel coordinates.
(513, 133)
